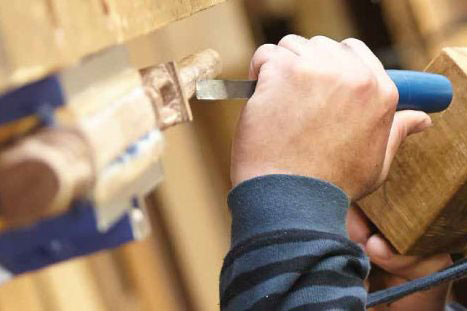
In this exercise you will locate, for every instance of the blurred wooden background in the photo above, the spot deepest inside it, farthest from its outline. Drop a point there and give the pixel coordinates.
(177, 267)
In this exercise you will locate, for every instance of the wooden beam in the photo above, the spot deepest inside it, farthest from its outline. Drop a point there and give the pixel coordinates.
(37, 38)
(70, 286)
(192, 208)
(441, 22)
(23, 293)
(147, 276)
(403, 27)
(421, 208)
(324, 17)
(110, 281)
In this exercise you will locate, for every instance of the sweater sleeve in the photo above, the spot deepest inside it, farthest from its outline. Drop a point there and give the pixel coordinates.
(290, 249)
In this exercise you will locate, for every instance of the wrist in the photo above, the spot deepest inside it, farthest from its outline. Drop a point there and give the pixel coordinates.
(281, 202)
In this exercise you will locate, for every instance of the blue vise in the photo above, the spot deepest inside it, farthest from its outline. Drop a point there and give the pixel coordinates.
(66, 236)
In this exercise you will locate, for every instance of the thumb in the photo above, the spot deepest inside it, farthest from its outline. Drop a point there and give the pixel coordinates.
(383, 255)
(405, 123)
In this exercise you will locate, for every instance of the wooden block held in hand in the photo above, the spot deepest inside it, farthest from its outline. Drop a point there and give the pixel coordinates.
(422, 208)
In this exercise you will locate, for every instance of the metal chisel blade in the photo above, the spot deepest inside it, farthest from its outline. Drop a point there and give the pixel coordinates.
(225, 89)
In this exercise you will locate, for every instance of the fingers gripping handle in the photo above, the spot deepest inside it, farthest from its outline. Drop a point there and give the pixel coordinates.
(422, 91)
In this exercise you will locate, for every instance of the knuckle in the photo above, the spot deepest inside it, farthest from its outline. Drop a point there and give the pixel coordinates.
(353, 42)
(264, 50)
(319, 40)
(364, 82)
(390, 95)
(287, 40)
(302, 70)
(264, 54)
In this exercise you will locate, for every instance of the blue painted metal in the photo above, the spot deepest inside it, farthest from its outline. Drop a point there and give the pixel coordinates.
(64, 237)
(28, 100)
(422, 91)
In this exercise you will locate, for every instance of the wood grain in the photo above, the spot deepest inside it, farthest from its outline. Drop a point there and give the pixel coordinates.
(23, 293)
(421, 208)
(56, 33)
(70, 286)
(334, 19)
(224, 28)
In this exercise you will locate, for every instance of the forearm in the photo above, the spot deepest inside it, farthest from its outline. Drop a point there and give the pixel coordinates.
(290, 248)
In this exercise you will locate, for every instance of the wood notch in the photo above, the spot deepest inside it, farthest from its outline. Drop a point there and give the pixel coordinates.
(91, 152)
(170, 86)
(422, 207)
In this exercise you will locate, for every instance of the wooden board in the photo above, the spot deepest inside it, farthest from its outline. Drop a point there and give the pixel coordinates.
(324, 17)
(192, 207)
(70, 286)
(41, 36)
(24, 293)
(422, 208)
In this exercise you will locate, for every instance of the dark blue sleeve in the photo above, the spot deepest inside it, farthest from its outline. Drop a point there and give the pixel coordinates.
(290, 249)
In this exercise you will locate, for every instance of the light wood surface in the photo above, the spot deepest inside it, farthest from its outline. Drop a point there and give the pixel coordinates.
(196, 161)
(333, 19)
(22, 294)
(421, 207)
(52, 34)
(201, 160)
(70, 286)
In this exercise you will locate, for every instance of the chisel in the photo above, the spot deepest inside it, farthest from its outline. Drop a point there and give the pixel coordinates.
(421, 91)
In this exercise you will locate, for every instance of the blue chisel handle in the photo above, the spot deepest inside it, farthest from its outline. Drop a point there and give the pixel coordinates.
(422, 91)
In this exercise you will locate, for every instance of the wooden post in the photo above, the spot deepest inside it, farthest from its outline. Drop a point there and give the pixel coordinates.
(422, 208)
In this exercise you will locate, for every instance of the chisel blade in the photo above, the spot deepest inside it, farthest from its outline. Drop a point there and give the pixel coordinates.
(224, 89)
(420, 91)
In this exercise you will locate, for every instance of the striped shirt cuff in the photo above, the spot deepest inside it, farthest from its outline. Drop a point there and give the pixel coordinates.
(280, 202)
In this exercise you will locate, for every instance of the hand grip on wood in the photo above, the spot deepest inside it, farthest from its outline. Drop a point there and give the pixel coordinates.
(421, 208)
(44, 172)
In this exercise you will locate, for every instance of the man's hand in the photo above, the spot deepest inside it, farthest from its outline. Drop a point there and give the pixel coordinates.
(396, 269)
(321, 109)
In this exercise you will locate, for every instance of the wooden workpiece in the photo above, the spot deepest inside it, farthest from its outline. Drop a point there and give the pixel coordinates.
(43, 172)
(56, 33)
(197, 234)
(170, 88)
(191, 200)
(421, 208)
